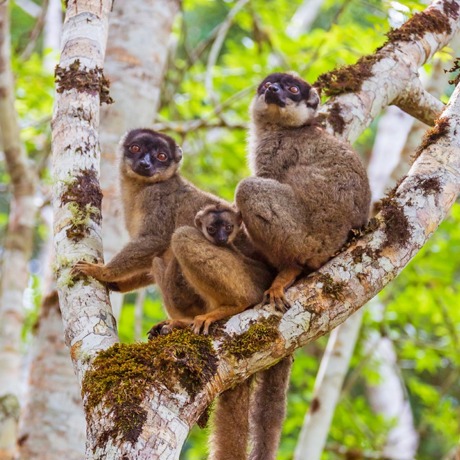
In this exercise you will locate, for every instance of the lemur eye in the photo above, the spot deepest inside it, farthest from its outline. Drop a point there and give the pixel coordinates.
(229, 228)
(162, 156)
(267, 84)
(211, 229)
(294, 89)
(134, 148)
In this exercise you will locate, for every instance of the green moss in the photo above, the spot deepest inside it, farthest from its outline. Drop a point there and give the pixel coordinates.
(259, 337)
(332, 288)
(121, 376)
(80, 219)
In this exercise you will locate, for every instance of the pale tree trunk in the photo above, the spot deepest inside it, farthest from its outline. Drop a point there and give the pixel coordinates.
(52, 34)
(303, 18)
(391, 134)
(17, 248)
(141, 399)
(388, 398)
(328, 385)
(135, 63)
(52, 422)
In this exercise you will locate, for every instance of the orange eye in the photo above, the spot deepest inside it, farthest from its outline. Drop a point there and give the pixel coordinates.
(267, 84)
(134, 148)
(162, 156)
(294, 89)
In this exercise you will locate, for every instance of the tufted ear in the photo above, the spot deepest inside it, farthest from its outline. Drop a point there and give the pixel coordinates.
(313, 99)
(177, 154)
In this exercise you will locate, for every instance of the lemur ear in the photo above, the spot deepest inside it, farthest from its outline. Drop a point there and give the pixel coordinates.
(313, 99)
(239, 218)
(198, 217)
(177, 154)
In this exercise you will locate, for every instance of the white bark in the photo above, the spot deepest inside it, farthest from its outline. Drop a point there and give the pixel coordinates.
(135, 63)
(17, 248)
(328, 385)
(389, 399)
(392, 132)
(52, 34)
(52, 423)
(76, 193)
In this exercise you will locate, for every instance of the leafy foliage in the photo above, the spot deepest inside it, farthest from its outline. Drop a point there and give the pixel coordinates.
(204, 106)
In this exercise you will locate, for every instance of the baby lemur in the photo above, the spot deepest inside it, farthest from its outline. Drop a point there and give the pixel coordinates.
(220, 273)
(309, 190)
(230, 282)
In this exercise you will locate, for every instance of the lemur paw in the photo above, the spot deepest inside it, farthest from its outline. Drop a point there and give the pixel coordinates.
(201, 324)
(89, 269)
(166, 327)
(276, 298)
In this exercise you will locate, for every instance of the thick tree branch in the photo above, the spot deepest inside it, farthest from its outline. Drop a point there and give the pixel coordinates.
(169, 402)
(363, 90)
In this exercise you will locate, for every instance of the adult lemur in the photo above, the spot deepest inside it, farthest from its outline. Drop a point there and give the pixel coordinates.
(309, 190)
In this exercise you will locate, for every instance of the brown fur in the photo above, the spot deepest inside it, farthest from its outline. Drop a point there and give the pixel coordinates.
(154, 206)
(229, 281)
(268, 409)
(310, 188)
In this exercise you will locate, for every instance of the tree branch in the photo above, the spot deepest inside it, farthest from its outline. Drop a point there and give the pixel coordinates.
(357, 90)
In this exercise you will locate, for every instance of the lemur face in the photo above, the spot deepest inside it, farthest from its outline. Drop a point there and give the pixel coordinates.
(150, 156)
(286, 100)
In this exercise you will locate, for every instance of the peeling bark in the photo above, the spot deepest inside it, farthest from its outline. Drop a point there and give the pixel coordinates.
(76, 193)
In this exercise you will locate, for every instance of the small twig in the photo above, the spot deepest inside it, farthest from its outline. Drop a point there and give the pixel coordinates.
(35, 33)
(217, 46)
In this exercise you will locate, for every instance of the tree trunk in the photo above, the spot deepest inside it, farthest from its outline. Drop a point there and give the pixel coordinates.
(52, 422)
(136, 60)
(17, 248)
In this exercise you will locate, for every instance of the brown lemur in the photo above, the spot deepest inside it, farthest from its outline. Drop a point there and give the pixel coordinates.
(156, 201)
(230, 282)
(218, 271)
(309, 190)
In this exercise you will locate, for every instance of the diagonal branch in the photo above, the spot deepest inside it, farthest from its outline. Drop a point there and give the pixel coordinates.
(361, 91)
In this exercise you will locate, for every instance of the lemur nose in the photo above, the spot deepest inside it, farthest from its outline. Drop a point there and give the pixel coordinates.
(274, 88)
